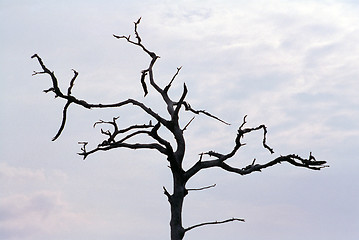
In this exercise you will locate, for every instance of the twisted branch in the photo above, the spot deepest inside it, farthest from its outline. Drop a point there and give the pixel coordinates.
(241, 133)
(151, 54)
(55, 88)
(219, 161)
(71, 99)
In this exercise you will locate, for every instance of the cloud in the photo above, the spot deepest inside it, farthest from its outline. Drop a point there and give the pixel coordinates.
(20, 173)
(30, 179)
(32, 203)
(36, 214)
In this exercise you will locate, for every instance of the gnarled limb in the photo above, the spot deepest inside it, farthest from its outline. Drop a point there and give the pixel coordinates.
(55, 88)
(220, 158)
(242, 131)
(291, 158)
(151, 54)
(72, 99)
(162, 145)
(117, 131)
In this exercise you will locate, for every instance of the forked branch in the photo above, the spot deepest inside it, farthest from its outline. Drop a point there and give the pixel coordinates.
(117, 131)
(72, 99)
(162, 145)
(138, 43)
(55, 88)
(220, 159)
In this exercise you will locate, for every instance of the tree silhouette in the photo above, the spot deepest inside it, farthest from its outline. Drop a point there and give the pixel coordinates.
(175, 152)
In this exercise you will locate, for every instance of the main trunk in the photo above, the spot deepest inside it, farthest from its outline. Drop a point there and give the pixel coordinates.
(176, 202)
(179, 184)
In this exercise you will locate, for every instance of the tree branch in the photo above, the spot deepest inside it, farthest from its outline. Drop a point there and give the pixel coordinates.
(138, 43)
(162, 146)
(149, 71)
(220, 159)
(151, 54)
(185, 127)
(83, 103)
(213, 223)
(241, 133)
(189, 108)
(63, 122)
(184, 94)
(143, 83)
(203, 188)
(154, 135)
(292, 159)
(169, 196)
(58, 92)
(117, 131)
(173, 78)
(156, 146)
(72, 82)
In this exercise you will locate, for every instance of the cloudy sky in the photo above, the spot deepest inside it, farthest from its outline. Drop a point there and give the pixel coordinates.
(293, 65)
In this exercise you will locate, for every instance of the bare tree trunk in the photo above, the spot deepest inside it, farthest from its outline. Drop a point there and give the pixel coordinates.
(176, 199)
(176, 202)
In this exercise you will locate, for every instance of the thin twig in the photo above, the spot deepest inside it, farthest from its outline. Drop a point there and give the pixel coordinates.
(189, 108)
(214, 222)
(173, 78)
(185, 127)
(72, 82)
(203, 188)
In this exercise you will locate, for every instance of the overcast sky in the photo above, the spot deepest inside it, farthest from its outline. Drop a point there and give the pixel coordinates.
(292, 65)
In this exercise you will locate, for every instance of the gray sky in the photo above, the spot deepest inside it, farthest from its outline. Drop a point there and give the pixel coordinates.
(293, 65)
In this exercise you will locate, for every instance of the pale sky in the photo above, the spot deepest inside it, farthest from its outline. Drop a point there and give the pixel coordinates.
(292, 65)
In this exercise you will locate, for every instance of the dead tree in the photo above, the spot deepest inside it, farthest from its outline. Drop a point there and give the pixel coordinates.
(119, 137)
